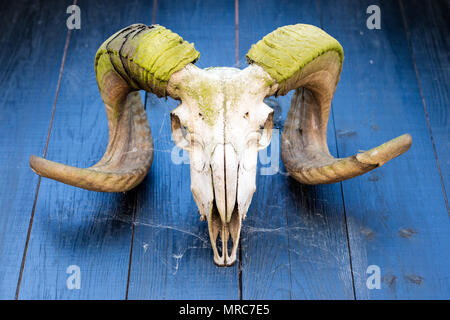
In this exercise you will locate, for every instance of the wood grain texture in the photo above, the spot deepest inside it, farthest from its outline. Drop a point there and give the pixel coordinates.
(294, 244)
(397, 218)
(172, 256)
(428, 23)
(74, 226)
(33, 44)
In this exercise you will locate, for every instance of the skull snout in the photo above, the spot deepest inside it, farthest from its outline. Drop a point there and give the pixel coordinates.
(225, 219)
(224, 165)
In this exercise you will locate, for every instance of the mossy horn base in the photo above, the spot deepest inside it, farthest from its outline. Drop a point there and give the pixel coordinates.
(307, 59)
(137, 57)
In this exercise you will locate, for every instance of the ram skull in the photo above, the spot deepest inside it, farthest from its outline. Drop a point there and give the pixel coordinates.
(222, 120)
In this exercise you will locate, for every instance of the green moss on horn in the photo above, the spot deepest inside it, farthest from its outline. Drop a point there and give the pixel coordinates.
(145, 56)
(285, 51)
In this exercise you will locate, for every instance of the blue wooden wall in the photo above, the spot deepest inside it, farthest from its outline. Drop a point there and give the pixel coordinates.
(298, 241)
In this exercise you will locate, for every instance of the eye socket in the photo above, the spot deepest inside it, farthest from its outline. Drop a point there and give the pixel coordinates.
(179, 132)
(185, 131)
(266, 132)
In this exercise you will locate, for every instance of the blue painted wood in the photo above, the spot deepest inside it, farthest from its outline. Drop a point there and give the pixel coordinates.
(429, 24)
(32, 46)
(172, 256)
(397, 218)
(294, 243)
(73, 226)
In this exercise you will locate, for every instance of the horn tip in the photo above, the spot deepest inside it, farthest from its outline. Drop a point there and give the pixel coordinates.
(36, 164)
(387, 151)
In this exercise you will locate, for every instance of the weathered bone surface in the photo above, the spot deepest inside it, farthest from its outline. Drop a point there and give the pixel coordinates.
(222, 120)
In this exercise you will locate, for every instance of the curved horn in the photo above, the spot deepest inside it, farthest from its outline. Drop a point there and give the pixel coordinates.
(307, 59)
(137, 57)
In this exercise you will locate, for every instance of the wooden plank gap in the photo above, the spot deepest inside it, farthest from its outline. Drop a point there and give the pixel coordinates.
(155, 6)
(424, 104)
(289, 255)
(58, 85)
(340, 183)
(236, 31)
(343, 206)
(135, 200)
(133, 223)
(320, 13)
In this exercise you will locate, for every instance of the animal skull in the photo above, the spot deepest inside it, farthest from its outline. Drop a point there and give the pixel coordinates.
(222, 119)
(227, 123)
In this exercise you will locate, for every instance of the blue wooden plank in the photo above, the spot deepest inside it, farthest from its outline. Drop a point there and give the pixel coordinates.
(172, 256)
(73, 226)
(431, 49)
(32, 44)
(294, 243)
(397, 218)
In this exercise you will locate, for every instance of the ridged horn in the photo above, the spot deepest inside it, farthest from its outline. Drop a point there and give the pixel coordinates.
(137, 57)
(306, 59)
